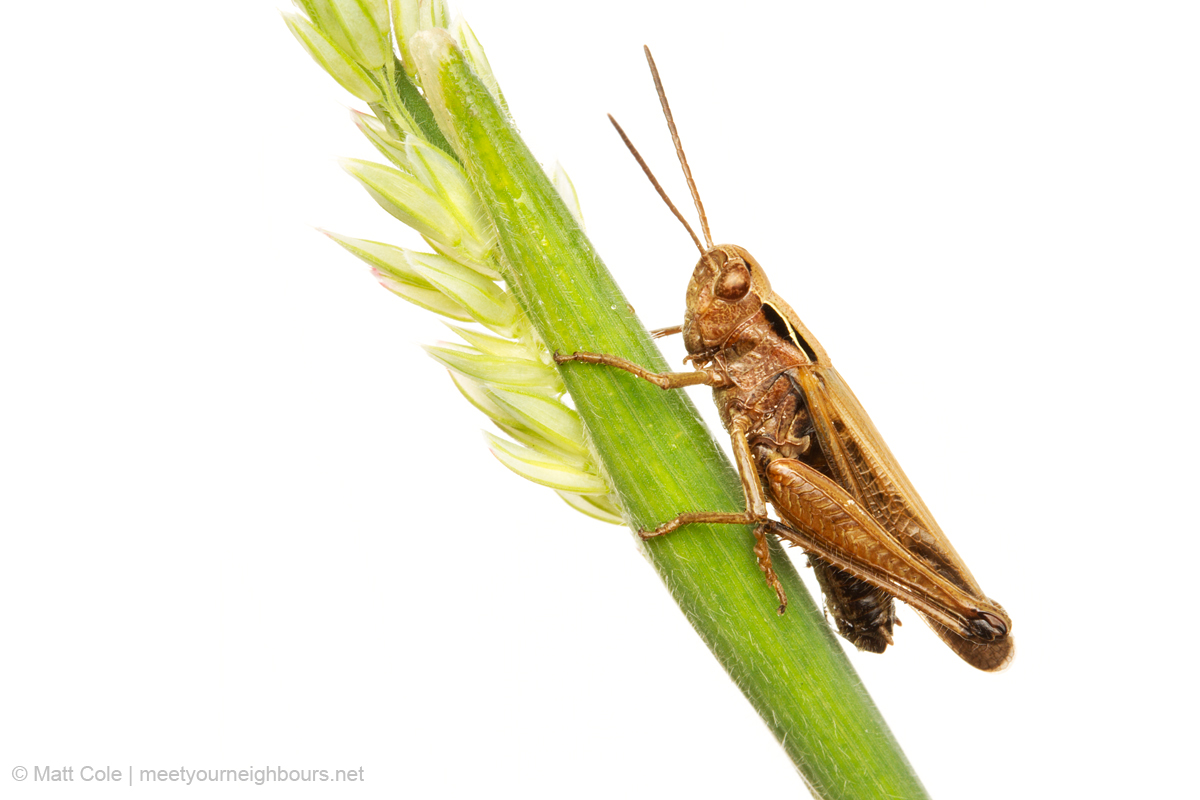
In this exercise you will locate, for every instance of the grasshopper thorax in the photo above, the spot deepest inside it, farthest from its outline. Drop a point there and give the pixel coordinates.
(727, 290)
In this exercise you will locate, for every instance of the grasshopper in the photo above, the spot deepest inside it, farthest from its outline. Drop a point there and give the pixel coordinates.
(802, 441)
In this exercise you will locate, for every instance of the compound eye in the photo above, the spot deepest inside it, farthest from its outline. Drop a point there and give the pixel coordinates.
(734, 282)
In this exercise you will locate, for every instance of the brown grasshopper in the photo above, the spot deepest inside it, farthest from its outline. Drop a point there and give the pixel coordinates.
(802, 440)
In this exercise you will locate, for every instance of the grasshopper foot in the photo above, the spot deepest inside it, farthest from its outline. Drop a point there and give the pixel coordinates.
(659, 531)
(762, 552)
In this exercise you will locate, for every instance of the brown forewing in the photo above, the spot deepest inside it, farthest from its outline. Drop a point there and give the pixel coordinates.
(863, 465)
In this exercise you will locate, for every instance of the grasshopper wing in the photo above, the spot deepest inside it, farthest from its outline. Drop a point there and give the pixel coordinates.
(898, 545)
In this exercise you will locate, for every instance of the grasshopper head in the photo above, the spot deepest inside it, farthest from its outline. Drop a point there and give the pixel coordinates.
(727, 289)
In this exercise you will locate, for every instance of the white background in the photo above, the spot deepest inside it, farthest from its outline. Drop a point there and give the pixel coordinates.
(246, 522)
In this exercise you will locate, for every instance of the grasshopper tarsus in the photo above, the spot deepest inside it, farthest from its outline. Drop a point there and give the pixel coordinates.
(702, 517)
(659, 333)
(762, 551)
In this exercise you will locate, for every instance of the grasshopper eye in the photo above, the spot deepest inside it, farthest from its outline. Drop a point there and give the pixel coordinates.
(734, 283)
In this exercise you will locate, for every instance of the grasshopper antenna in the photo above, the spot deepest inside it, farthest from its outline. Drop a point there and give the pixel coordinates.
(661, 192)
(687, 171)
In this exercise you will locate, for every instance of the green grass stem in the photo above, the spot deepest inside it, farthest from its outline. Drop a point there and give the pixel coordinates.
(661, 460)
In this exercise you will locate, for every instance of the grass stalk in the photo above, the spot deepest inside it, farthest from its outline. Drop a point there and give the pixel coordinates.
(659, 458)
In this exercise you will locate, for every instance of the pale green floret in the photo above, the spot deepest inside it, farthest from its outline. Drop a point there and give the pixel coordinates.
(410, 18)
(477, 58)
(444, 177)
(488, 368)
(566, 189)
(547, 416)
(536, 441)
(409, 200)
(428, 299)
(359, 27)
(378, 135)
(490, 305)
(339, 64)
(478, 396)
(541, 467)
(390, 266)
(497, 346)
(598, 506)
(387, 257)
